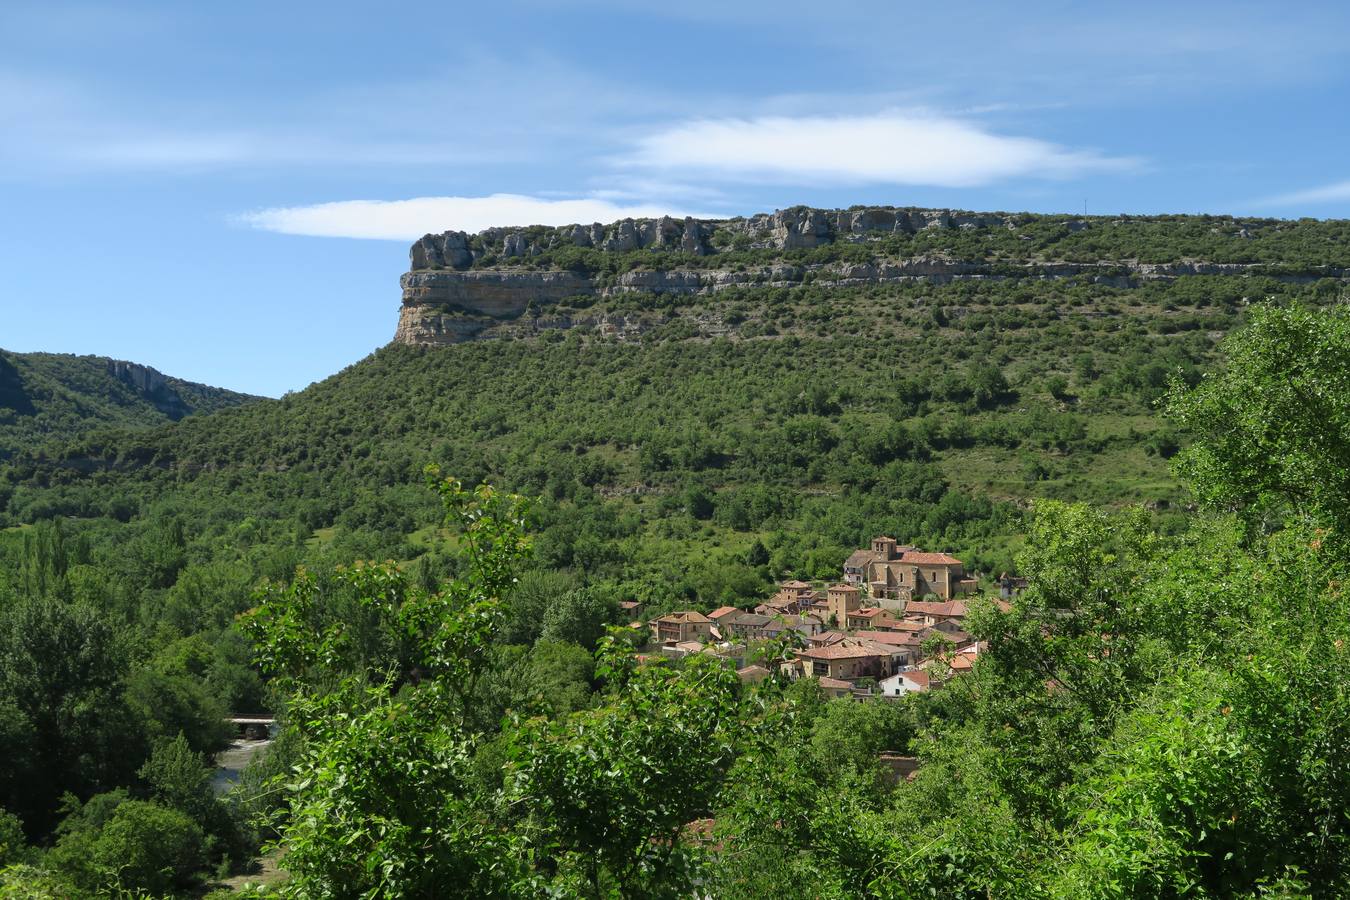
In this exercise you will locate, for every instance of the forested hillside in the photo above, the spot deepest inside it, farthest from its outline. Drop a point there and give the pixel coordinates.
(446, 712)
(50, 397)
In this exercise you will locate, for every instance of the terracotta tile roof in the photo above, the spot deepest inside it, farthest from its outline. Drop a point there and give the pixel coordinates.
(847, 649)
(950, 608)
(892, 638)
(917, 677)
(721, 611)
(908, 625)
(917, 558)
(834, 683)
(794, 585)
(757, 673)
(859, 558)
(868, 612)
(686, 616)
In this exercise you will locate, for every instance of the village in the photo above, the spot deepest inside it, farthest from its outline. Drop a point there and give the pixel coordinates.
(893, 625)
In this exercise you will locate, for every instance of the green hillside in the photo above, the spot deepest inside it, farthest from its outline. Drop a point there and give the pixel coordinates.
(822, 416)
(931, 412)
(167, 560)
(51, 397)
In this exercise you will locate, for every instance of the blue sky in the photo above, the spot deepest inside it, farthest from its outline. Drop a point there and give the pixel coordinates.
(226, 191)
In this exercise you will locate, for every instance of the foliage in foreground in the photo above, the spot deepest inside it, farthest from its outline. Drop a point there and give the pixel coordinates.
(1158, 716)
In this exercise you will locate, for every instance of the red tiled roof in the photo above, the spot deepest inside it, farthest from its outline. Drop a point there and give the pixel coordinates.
(952, 608)
(919, 677)
(687, 616)
(894, 638)
(722, 611)
(867, 612)
(918, 558)
(859, 558)
(845, 649)
(835, 683)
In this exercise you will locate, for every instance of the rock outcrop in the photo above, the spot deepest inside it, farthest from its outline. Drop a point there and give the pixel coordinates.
(459, 284)
(152, 385)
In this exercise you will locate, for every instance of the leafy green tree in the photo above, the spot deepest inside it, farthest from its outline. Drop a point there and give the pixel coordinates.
(144, 847)
(1272, 427)
(62, 705)
(384, 798)
(558, 676)
(178, 778)
(528, 603)
(169, 704)
(13, 843)
(612, 789)
(578, 617)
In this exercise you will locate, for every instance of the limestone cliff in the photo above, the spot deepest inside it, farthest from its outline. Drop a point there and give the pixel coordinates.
(460, 286)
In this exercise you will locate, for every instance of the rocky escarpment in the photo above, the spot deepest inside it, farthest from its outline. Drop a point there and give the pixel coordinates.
(460, 286)
(790, 229)
(152, 385)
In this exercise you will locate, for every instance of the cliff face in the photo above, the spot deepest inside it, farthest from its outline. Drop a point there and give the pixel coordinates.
(790, 229)
(461, 285)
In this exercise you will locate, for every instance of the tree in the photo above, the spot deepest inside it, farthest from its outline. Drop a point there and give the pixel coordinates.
(178, 778)
(145, 847)
(384, 798)
(578, 617)
(13, 844)
(612, 789)
(62, 706)
(1272, 427)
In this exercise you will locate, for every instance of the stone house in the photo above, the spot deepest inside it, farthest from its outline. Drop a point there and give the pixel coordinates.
(935, 614)
(752, 674)
(870, 617)
(840, 600)
(835, 688)
(808, 625)
(849, 659)
(745, 625)
(681, 626)
(892, 574)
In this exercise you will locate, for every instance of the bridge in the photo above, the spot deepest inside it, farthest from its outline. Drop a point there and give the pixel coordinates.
(254, 727)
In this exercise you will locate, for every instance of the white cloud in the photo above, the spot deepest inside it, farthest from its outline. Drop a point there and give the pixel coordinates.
(1327, 193)
(890, 148)
(407, 220)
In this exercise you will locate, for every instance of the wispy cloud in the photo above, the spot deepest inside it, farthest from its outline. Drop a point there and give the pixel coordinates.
(410, 219)
(911, 148)
(1327, 193)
